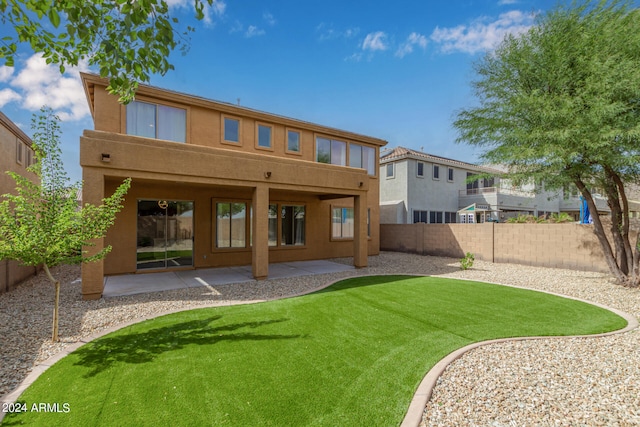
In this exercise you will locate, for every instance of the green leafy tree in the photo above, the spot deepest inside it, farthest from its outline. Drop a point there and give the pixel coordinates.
(560, 104)
(42, 224)
(127, 40)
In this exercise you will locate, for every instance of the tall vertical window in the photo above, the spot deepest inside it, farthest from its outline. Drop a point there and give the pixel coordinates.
(293, 231)
(231, 225)
(436, 172)
(331, 151)
(420, 171)
(450, 174)
(19, 151)
(231, 130)
(293, 141)
(342, 223)
(389, 170)
(156, 121)
(273, 225)
(361, 156)
(264, 136)
(355, 155)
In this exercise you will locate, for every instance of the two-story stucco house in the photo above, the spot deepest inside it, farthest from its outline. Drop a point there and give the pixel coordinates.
(16, 155)
(420, 187)
(216, 184)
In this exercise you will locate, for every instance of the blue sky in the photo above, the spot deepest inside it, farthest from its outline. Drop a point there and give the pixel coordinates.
(394, 70)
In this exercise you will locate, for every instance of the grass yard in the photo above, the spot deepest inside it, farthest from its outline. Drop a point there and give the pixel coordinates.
(350, 355)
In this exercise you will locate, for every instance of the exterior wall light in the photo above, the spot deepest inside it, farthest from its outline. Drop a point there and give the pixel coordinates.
(106, 157)
(267, 175)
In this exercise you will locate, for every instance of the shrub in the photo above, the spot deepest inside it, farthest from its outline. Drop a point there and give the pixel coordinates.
(467, 261)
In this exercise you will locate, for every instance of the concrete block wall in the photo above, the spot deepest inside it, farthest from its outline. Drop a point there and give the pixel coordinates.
(571, 246)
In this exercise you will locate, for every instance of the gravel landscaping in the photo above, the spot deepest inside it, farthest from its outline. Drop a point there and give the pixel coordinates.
(566, 381)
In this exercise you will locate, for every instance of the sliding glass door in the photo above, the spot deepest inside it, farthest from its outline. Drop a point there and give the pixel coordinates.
(165, 234)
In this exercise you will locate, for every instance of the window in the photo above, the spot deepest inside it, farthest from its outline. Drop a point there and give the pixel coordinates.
(264, 136)
(450, 177)
(419, 216)
(420, 172)
(436, 172)
(293, 232)
(29, 157)
(273, 225)
(390, 170)
(157, 121)
(231, 225)
(487, 182)
(293, 141)
(450, 217)
(19, 151)
(355, 155)
(361, 156)
(435, 217)
(342, 223)
(231, 130)
(331, 151)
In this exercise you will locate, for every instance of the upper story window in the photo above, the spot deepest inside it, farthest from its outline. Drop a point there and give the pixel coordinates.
(19, 151)
(157, 121)
(390, 170)
(293, 141)
(231, 130)
(450, 177)
(361, 156)
(331, 151)
(420, 171)
(264, 136)
(436, 172)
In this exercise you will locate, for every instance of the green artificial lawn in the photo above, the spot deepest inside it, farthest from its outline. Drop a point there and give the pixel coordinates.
(350, 355)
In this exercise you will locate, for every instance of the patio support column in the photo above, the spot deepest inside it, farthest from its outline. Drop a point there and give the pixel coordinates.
(93, 272)
(260, 247)
(360, 238)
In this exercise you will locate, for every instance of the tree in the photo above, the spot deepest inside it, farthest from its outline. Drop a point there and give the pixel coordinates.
(560, 105)
(42, 223)
(128, 40)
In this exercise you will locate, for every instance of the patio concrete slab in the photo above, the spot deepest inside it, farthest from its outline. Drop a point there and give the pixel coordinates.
(130, 284)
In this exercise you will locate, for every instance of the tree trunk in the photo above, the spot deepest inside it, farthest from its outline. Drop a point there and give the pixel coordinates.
(56, 283)
(632, 258)
(598, 229)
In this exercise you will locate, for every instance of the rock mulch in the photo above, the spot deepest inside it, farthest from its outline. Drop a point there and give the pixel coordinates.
(567, 381)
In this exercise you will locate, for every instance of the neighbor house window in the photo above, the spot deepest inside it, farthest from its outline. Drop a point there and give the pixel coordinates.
(419, 216)
(361, 156)
(390, 170)
(156, 121)
(331, 151)
(231, 225)
(293, 141)
(293, 225)
(420, 171)
(435, 217)
(231, 130)
(450, 217)
(264, 136)
(342, 223)
(436, 172)
(450, 177)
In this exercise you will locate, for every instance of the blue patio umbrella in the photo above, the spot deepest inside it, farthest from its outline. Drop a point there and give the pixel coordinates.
(585, 215)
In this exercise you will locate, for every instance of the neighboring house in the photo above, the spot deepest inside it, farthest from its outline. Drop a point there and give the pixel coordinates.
(16, 155)
(216, 184)
(420, 187)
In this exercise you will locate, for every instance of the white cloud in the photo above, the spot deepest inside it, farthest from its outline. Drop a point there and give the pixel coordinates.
(253, 31)
(328, 32)
(7, 95)
(5, 73)
(375, 41)
(269, 19)
(39, 83)
(481, 35)
(505, 2)
(414, 40)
